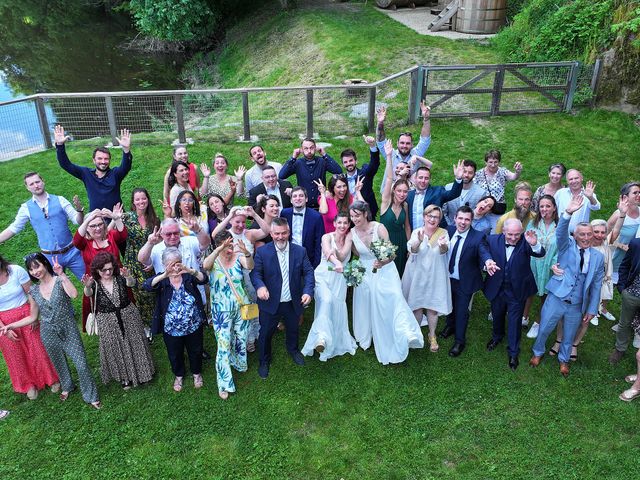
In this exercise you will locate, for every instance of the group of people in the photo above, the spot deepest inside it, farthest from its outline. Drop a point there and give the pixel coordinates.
(210, 261)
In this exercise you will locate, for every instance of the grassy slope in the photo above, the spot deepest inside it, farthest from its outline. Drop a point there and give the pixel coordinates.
(431, 417)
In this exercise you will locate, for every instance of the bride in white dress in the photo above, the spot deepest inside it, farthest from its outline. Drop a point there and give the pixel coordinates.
(380, 312)
(329, 334)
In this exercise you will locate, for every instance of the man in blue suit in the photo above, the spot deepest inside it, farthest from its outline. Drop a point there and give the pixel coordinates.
(468, 255)
(284, 281)
(425, 194)
(574, 295)
(510, 283)
(367, 172)
(307, 227)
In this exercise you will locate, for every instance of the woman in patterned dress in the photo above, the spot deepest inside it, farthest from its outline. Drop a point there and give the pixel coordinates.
(140, 223)
(51, 297)
(221, 182)
(27, 361)
(228, 294)
(124, 350)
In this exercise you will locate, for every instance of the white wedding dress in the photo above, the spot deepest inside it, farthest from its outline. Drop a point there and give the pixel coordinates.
(330, 322)
(380, 311)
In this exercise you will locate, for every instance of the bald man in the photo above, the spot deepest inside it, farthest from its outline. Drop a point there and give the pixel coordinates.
(575, 188)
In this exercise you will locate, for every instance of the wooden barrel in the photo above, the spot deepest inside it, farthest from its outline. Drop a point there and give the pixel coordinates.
(401, 3)
(481, 16)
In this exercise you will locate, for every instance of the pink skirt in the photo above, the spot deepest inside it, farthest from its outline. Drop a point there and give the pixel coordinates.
(27, 360)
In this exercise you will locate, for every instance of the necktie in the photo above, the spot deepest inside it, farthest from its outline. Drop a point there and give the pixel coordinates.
(284, 269)
(581, 259)
(454, 253)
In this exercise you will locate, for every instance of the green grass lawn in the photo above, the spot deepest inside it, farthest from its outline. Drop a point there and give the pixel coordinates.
(430, 417)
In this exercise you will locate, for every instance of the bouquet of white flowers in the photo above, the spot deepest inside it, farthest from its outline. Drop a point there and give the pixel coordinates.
(383, 250)
(353, 272)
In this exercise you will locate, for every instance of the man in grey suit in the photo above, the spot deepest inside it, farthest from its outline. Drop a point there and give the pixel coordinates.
(574, 295)
(471, 193)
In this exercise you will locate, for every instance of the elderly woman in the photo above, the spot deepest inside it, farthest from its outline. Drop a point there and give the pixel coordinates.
(482, 214)
(124, 351)
(28, 364)
(51, 300)
(179, 314)
(140, 222)
(180, 154)
(329, 334)
(556, 172)
(94, 237)
(544, 225)
(228, 293)
(426, 284)
(221, 182)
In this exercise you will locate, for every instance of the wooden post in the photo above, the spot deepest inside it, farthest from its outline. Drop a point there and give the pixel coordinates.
(182, 135)
(246, 120)
(497, 90)
(310, 113)
(371, 120)
(44, 123)
(595, 81)
(113, 128)
(572, 82)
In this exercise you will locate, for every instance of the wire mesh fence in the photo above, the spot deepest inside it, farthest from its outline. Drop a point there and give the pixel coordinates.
(328, 111)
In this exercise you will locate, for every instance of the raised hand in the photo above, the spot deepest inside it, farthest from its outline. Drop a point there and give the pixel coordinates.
(388, 149)
(124, 140)
(155, 237)
(117, 212)
(124, 271)
(204, 168)
(420, 236)
(458, 170)
(321, 151)
(57, 268)
(574, 204)
(623, 204)
(369, 140)
(425, 110)
(381, 114)
(106, 213)
(443, 240)
(287, 191)
(225, 244)
(59, 136)
(166, 208)
(232, 185)
(87, 280)
(77, 204)
(321, 188)
(239, 173)
(531, 237)
(296, 153)
(194, 225)
(242, 248)
(359, 183)
(589, 189)
(517, 167)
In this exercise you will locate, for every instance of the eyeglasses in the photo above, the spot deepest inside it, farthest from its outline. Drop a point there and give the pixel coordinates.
(187, 200)
(97, 225)
(172, 234)
(30, 257)
(105, 270)
(406, 134)
(434, 217)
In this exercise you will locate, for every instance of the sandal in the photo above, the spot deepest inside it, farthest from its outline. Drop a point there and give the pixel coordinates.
(631, 378)
(55, 388)
(223, 394)
(574, 356)
(4, 414)
(433, 344)
(556, 346)
(177, 384)
(97, 405)
(126, 385)
(197, 381)
(629, 395)
(32, 394)
(64, 396)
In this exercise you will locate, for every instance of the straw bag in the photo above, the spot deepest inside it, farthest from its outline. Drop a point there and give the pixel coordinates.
(248, 311)
(92, 325)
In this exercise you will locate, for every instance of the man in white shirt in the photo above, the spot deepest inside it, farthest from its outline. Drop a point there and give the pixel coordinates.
(253, 177)
(564, 195)
(307, 227)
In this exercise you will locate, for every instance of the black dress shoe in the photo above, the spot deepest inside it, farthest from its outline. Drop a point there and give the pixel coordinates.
(456, 349)
(297, 357)
(492, 344)
(446, 332)
(206, 355)
(513, 363)
(263, 370)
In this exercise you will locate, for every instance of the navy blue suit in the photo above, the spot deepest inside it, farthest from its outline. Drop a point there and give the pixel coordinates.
(308, 171)
(368, 172)
(434, 196)
(474, 254)
(266, 273)
(312, 232)
(509, 288)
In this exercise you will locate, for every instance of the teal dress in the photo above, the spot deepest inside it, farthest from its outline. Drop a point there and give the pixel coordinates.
(541, 267)
(397, 235)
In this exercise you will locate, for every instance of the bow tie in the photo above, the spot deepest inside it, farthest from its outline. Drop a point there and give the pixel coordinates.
(299, 214)
(508, 245)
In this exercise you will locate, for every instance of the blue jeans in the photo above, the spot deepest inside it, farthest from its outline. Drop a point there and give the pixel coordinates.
(552, 312)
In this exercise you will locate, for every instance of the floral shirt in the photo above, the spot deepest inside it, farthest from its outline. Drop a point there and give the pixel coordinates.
(182, 316)
(222, 297)
(495, 185)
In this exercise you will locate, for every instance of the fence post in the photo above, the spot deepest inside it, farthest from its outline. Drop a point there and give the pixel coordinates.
(414, 95)
(44, 124)
(246, 120)
(371, 111)
(182, 135)
(112, 121)
(309, 113)
(497, 90)
(572, 81)
(595, 81)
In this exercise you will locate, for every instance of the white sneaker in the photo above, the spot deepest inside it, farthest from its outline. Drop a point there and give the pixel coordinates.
(608, 316)
(615, 327)
(636, 341)
(594, 320)
(490, 317)
(533, 331)
(525, 321)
